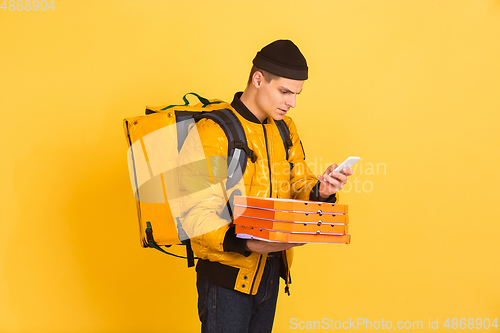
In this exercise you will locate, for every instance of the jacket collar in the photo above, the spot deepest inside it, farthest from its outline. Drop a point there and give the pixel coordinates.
(241, 108)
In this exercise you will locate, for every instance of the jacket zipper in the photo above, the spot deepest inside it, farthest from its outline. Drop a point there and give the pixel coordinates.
(268, 163)
(256, 273)
(270, 195)
(287, 281)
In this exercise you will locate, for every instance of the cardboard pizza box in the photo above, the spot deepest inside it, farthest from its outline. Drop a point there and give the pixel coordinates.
(279, 215)
(289, 237)
(291, 205)
(302, 227)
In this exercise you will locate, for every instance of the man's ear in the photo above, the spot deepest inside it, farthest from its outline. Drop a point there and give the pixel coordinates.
(257, 79)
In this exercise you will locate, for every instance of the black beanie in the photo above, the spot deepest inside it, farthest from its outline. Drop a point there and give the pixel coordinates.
(282, 58)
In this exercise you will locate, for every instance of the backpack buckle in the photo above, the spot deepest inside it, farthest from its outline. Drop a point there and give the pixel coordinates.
(239, 144)
(252, 156)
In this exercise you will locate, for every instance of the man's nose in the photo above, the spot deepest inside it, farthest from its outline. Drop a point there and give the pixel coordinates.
(291, 101)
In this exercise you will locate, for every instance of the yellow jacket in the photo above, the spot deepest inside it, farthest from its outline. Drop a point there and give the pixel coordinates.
(223, 259)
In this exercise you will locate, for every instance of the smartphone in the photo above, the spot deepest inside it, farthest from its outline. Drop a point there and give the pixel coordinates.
(348, 163)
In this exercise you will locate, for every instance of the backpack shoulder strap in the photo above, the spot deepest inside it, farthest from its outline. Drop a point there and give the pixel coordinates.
(238, 150)
(285, 135)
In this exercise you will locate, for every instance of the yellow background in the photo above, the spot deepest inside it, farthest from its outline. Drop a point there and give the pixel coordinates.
(412, 86)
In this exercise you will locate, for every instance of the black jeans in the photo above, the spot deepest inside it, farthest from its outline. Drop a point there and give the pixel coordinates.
(223, 310)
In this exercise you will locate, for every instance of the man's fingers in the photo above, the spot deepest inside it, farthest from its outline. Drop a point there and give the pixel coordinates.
(328, 181)
(331, 181)
(347, 171)
(330, 169)
(259, 246)
(290, 245)
(336, 176)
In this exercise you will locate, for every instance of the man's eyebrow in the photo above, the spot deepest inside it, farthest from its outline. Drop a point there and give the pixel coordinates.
(288, 90)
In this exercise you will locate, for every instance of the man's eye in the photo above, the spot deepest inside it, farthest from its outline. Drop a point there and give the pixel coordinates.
(283, 92)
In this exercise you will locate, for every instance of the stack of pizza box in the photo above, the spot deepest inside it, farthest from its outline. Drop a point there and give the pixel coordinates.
(291, 221)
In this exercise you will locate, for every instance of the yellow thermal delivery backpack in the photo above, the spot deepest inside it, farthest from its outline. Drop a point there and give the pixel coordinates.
(155, 140)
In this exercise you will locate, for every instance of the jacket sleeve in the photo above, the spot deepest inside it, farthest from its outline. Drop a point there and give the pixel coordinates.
(202, 175)
(304, 184)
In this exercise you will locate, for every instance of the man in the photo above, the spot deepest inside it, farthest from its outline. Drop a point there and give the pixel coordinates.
(238, 279)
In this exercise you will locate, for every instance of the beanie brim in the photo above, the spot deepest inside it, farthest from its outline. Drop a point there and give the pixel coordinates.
(289, 72)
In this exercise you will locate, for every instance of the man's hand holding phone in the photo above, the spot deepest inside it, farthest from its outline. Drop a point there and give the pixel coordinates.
(335, 177)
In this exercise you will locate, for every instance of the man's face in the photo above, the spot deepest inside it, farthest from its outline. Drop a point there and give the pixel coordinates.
(275, 98)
